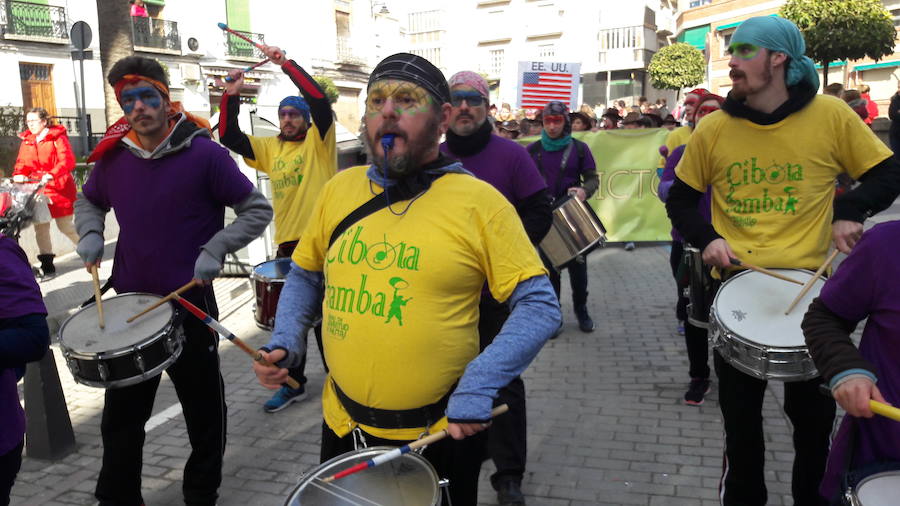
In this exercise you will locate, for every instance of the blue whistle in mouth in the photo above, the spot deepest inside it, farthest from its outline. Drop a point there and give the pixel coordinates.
(387, 142)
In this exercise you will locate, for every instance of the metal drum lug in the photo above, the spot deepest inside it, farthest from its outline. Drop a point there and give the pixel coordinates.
(103, 371)
(139, 361)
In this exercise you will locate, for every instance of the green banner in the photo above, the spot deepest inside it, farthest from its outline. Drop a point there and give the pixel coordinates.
(626, 202)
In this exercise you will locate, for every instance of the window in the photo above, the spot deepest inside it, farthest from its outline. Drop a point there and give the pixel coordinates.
(630, 37)
(698, 3)
(497, 59)
(546, 50)
(895, 13)
(432, 54)
(726, 41)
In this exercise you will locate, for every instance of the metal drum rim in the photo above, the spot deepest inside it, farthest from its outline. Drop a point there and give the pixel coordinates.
(133, 380)
(169, 326)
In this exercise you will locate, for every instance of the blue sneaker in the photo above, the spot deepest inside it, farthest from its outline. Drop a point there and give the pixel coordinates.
(283, 398)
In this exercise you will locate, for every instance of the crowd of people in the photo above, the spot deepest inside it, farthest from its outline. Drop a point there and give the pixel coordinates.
(420, 277)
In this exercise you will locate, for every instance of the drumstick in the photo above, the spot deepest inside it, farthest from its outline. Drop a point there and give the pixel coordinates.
(738, 263)
(97, 294)
(213, 324)
(812, 280)
(259, 46)
(244, 70)
(396, 452)
(884, 410)
(162, 301)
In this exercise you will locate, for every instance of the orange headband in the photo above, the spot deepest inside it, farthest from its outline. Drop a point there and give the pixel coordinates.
(133, 78)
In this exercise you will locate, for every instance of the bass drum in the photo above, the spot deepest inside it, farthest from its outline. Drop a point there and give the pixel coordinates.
(575, 230)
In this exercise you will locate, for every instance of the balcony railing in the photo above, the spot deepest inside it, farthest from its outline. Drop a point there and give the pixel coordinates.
(345, 52)
(240, 48)
(29, 21)
(156, 34)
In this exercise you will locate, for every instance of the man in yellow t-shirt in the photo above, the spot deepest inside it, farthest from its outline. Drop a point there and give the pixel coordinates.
(298, 162)
(402, 286)
(771, 156)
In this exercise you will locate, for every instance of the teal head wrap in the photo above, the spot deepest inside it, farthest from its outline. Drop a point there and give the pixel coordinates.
(779, 34)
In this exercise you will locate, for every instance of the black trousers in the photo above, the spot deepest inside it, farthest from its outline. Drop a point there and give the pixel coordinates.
(695, 338)
(812, 415)
(680, 282)
(200, 390)
(506, 439)
(10, 462)
(578, 278)
(457, 461)
(285, 250)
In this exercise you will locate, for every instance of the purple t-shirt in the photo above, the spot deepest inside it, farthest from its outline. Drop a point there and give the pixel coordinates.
(167, 209)
(559, 182)
(506, 166)
(19, 296)
(867, 286)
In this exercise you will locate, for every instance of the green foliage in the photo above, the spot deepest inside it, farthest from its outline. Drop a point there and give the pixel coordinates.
(12, 120)
(331, 90)
(678, 66)
(842, 29)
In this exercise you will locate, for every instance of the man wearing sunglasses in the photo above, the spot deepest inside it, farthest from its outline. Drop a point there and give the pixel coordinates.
(298, 162)
(568, 168)
(771, 157)
(508, 168)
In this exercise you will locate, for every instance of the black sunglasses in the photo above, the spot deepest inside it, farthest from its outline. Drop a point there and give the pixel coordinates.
(473, 99)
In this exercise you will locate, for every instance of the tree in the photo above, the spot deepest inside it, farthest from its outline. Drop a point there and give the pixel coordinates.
(116, 42)
(842, 29)
(678, 66)
(328, 86)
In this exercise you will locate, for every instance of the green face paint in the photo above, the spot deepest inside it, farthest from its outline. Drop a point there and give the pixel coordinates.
(406, 98)
(744, 50)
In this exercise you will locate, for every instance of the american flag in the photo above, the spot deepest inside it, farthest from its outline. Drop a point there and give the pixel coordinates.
(538, 88)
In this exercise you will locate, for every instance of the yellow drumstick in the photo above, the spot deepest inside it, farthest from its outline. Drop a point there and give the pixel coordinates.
(883, 409)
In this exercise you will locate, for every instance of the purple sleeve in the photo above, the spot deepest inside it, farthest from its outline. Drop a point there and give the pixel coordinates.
(850, 293)
(527, 180)
(668, 176)
(94, 189)
(228, 185)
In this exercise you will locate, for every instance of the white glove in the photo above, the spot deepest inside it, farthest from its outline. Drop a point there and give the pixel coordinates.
(207, 266)
(46, 178)
(90, 247)
(19, 178)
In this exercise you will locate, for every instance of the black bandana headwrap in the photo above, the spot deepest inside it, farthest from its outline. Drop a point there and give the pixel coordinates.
(414, 69)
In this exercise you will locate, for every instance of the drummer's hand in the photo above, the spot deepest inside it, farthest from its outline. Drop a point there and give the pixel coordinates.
(578, 192)
(463, 430)
(90, 249)
(854, 395)
(234, 87)
(846, 234)
(275, 54)
(269, 376)
(206, 268)
(718, 253)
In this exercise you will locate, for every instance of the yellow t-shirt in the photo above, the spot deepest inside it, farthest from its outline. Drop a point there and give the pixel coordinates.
(676, 138)
(773, 185)
(297, 171)
(400, 316)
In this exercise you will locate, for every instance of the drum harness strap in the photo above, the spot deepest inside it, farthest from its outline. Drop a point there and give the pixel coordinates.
(537, 154)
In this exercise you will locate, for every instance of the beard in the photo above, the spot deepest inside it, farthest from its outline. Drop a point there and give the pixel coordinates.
(300, 134)
(467, 129)
(741, 91)
(399, 166)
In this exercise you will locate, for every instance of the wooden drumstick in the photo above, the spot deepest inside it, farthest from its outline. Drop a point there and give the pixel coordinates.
(812, 280)
(885, 410)
(396, 452)
(165, 299)
(244, 70)
(97, 294)
(767, 272)
(259, 46)
(213, 324)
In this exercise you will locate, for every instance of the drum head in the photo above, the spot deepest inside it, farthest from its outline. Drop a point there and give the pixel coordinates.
(407, 480)
(273, 269)
(752, 305)
(80, 333)
(879, 489)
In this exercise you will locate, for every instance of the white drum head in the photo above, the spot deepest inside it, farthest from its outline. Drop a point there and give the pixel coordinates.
(752, 305)
(879, 489)
(81, 332)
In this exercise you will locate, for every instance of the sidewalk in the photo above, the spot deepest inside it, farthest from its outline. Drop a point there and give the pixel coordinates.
(606, 422)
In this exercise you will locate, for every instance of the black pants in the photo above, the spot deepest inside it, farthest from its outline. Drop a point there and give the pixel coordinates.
(457, 461)
(285, 250)
(696, 340)
(506, 443)
(200, 390)
(10, 462)
(675, 257)
(578, 278)
(810, 412)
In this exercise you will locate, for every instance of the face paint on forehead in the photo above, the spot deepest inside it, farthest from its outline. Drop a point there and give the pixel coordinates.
(407, 98)
(146, 94)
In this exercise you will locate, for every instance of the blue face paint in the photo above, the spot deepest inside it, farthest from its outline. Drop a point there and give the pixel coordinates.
(147, 94)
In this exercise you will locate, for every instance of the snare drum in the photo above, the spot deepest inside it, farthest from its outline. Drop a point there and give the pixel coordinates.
(121, 354)
(575, 230)
(267, 279)
(749, 329)
(877, 490)
(701, 288)
(407, 480)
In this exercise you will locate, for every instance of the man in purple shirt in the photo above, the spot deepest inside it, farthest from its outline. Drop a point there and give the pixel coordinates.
(864, 286)
(24, 337)
(569, 169)
(169, 184)
(508, 168)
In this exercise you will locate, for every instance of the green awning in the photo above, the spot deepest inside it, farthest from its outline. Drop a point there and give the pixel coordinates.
(155, 2)
(881, 65)
(735, 24)
(831, 65)
(695, 36)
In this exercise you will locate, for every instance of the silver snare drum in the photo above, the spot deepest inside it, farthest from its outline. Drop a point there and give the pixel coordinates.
(407, 480)
(575, 230)
(749, 329)
(121, 354)
(877, 490)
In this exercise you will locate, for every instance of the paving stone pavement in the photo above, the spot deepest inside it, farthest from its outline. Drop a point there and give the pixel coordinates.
(607, 425)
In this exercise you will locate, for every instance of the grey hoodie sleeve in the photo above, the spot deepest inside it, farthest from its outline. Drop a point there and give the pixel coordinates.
(253, 214)
(89, 217)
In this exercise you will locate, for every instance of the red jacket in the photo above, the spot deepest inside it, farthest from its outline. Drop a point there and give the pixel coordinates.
(52, 155)
(871, 108)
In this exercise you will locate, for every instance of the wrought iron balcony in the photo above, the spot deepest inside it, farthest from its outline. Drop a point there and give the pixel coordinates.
(151, 34)
(237, 47)
(30, 21)
(345, 53)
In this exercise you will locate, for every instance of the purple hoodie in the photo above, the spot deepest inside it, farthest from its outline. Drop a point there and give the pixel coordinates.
(667, 179)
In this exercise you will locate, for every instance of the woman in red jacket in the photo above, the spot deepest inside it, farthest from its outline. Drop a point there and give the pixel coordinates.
(45, 154)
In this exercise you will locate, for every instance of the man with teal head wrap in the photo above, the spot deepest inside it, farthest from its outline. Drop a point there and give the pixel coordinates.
(771, 156)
